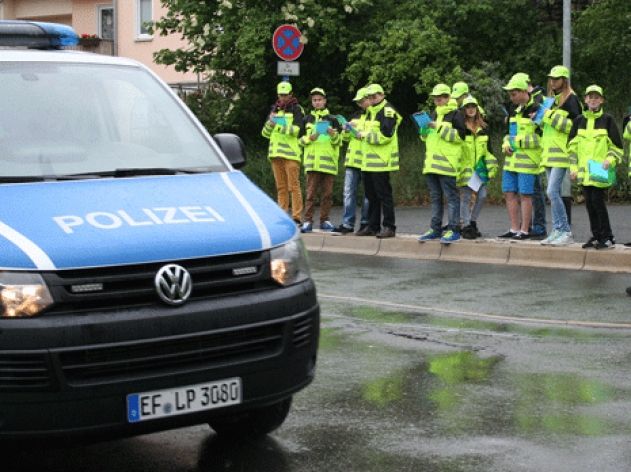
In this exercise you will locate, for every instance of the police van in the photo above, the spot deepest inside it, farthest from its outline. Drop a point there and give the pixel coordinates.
(145, 284)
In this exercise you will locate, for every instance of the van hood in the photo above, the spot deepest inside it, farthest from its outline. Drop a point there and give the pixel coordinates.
(106, 222)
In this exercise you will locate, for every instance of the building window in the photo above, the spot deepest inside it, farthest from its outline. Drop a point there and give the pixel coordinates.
(144, 16)
(106, 21)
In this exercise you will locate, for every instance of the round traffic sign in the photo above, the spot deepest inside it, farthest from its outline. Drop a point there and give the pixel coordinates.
(286, 42)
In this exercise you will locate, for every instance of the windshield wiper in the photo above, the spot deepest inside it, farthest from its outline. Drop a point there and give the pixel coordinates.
(14, 179)
(122, 172)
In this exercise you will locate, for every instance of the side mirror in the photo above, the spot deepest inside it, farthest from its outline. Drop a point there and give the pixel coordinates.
(232, 147)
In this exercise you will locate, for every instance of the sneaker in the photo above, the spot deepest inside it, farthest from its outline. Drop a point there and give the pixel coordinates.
(537, 236)
(551, 237)
(474, 225)
(564, 239)
(342, 229)
(386, 233)
(627, 244)
(590, 243)
(521, 236)
(307, 227)
(327, 226)
(450, 236)
(366, 231)
(508, 234)
(469, 232)
(603, 244)
(429, 235)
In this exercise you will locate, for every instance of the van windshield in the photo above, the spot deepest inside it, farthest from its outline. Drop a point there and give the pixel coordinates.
(60, 119)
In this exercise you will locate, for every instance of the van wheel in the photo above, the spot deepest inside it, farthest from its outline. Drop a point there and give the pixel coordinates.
(253, 423)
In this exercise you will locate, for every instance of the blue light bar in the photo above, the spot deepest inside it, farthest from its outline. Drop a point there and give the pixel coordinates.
(36, 34)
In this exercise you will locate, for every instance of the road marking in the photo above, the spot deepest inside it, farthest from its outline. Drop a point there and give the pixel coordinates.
(479, 315)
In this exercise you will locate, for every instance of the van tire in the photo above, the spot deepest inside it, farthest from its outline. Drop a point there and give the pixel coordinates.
(254, 423)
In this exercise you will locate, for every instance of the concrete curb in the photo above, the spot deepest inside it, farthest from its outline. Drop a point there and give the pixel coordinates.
(485, 251)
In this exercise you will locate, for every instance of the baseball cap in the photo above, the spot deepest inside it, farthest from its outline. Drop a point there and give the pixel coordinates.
(516, 84)
(469, 100)
(440, 89)
(522, 76)
(594, 89)
(373, 89)
(283, 88)
(360, 95)
(318, 91)
(459, 89)
(559, 71)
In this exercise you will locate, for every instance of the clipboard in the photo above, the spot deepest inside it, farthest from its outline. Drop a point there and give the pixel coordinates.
(545, 105)
(422, 119)
(345, 124)
(598, 174)
(322, 127)
(280, 120)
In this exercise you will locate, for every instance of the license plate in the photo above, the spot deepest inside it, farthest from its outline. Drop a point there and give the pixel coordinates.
(178, 401)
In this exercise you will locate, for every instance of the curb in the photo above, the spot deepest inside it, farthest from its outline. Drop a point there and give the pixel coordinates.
(483, 251)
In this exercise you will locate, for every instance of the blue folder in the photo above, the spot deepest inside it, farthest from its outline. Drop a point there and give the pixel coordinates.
(512, 134)
(322, 127)
(598, 174)
(422, 119)
(545, 105)
(280, 120)
(346, 125)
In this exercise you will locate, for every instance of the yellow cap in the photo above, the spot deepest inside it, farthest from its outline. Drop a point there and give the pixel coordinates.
(594, 89)
(360, 95)
(317, 91)
(440, 89)
(516, 84)
(372, 89)
(559, 71)
(283, 88)
(459, 89)
(521, 76)
(469, 100)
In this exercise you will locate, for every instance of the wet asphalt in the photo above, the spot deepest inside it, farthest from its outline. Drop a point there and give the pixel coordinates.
(415, 373)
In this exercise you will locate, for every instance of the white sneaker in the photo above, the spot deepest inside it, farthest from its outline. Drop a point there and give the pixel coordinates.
(551, 237)
(563, 240)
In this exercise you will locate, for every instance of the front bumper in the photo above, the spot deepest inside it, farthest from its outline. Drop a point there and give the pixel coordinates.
(72, 373)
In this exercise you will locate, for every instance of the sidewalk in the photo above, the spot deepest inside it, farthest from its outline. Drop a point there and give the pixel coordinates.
(412, 221)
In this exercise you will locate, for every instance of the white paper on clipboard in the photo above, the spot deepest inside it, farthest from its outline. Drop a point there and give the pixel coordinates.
(475, 182)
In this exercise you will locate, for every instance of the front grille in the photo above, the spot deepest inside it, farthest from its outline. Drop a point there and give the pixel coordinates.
(159, 357)
(24, 372)
(133, 285)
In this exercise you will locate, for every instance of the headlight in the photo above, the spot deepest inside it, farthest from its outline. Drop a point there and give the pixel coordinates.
(289, 263)
(23, 294)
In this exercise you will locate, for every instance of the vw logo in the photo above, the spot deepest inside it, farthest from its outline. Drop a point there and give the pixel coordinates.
(173, 284)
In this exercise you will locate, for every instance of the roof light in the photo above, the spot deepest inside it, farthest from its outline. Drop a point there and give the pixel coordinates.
(36, 35)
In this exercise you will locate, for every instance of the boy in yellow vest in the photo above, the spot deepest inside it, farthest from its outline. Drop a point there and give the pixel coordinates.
(321, 143)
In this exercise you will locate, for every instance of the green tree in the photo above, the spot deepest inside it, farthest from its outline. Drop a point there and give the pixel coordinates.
(602, 48)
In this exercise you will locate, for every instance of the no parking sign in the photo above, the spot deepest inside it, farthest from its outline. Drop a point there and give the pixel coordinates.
(286, 42)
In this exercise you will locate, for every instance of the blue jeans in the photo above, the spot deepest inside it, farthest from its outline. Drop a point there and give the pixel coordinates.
(352, 179)
(538, 209)
(556, 176)
(467, 214)
(439, 186)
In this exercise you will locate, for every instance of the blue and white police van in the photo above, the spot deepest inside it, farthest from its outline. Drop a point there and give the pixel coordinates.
(145, 284)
